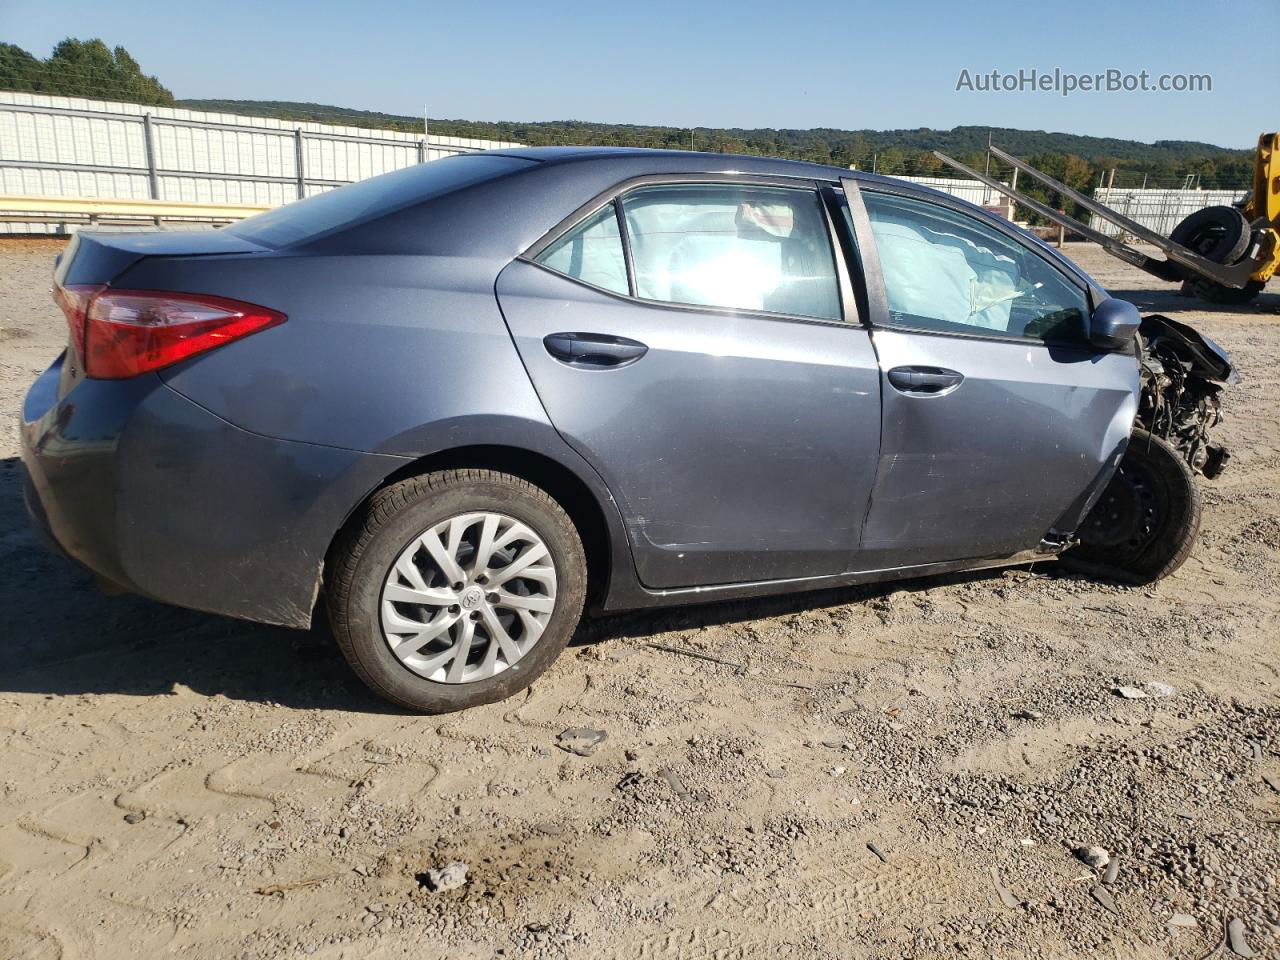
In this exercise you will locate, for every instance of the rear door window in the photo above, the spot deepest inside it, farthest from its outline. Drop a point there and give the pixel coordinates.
(735, 246)
(592, 252)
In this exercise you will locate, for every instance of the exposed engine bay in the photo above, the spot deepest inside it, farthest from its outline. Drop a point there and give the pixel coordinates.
(1182, 375)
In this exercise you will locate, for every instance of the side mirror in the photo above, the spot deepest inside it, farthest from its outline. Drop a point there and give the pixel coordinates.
(1114, 324)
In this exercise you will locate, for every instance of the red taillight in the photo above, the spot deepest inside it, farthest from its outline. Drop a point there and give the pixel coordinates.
(74, 302)
(122, 333)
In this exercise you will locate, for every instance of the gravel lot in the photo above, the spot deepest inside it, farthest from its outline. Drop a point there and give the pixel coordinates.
(901, 771)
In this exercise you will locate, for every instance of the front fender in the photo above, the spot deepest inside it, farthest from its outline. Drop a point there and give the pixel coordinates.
(1114, 443)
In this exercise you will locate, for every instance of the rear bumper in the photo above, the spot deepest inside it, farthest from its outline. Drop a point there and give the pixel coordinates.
(39, 519)
(155, 494)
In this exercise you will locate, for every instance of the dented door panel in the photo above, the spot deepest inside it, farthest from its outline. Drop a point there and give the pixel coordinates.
(990, 467)
(738, 447)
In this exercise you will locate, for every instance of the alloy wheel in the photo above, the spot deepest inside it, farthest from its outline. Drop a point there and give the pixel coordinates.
(468, 598)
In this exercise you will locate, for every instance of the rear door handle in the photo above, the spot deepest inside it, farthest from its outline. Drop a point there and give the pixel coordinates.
(594, 349)
(925, 381)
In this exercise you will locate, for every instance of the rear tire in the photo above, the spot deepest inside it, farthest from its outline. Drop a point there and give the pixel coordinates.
(1212, 292)
(1145, 523)
(405, 652)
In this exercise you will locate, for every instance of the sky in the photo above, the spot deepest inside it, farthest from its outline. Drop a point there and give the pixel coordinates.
(848, 64)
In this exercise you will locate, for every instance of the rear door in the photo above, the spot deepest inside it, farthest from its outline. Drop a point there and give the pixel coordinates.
(998, 415)
(695, 342)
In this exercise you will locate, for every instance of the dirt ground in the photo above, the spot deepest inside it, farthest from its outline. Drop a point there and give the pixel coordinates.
(899, 771)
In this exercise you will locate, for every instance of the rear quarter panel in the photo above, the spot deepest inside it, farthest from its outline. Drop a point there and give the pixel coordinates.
(385, 354)
(404, 356)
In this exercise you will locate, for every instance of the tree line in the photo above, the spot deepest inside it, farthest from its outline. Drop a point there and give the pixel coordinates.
(81, 68)
(899, 152)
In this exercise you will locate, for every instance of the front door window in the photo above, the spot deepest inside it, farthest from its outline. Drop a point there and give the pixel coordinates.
(948, 272)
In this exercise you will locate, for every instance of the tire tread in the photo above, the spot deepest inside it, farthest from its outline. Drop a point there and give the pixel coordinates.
(1172, 546)
(383, 506)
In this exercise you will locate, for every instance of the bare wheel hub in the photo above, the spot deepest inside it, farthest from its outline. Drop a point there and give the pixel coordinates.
(468, 598)
(1127, 512)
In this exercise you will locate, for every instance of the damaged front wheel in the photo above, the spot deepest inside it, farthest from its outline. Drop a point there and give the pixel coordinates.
(1144, 525)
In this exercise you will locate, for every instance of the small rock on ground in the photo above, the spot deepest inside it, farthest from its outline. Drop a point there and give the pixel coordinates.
(1131, 693)
(1096, 857)
(449, 877)
(1235, 939)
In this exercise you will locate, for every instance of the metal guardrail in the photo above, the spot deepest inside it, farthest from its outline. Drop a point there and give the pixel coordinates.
(144, 208)
(93, 211)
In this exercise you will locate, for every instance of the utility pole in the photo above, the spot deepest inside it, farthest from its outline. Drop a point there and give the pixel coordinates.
(426, 134)
(986, 195)
(691, 131)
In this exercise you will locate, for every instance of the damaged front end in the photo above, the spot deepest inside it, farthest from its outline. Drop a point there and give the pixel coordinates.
(1144, 524)
(1182, 375)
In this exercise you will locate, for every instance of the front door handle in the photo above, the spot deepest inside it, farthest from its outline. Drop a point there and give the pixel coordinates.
(594, 349)
(925, 381)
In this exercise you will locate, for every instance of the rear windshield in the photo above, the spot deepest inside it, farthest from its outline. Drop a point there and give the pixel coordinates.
(312, 218)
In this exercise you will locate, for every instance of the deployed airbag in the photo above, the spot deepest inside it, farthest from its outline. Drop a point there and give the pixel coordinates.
(944, 276)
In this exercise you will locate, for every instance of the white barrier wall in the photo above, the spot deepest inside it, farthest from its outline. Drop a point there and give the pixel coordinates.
(970, 190)
(72, 147)
(1158, 210)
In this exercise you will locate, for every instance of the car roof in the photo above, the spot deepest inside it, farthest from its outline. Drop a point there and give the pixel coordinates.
(609, 165)
(639, 161)
(712, 162)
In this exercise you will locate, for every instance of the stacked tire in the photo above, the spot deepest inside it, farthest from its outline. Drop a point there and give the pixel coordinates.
(1221, 234)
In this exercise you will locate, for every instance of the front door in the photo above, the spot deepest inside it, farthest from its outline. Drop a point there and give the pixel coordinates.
(998, 414)
(690, 341)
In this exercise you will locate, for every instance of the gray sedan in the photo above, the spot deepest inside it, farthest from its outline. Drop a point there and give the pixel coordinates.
(454, 405)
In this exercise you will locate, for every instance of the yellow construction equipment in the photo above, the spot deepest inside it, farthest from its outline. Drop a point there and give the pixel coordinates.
(1219, 254)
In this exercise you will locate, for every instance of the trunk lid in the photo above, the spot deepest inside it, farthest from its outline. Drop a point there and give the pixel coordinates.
(95, 258)
(98, 257)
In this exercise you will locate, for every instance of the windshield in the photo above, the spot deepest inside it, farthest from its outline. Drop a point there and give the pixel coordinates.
(325, 213)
